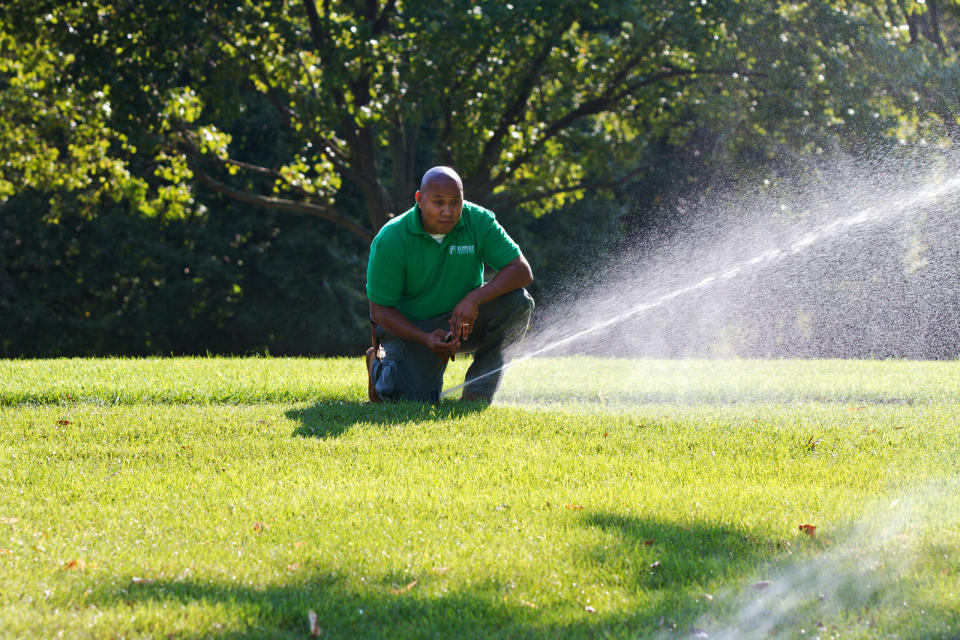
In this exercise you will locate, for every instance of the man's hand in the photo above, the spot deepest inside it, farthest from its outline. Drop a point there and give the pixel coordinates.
(442, 346)
(514, 275)
(464, 316)
(397, 324)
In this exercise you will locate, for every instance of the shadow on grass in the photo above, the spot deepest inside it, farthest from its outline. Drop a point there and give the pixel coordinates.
(332, 418)
(665, 600)
(281, 611)
(407, 604)
(680, 554)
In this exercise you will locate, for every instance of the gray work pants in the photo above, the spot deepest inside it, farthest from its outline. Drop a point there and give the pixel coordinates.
(410, 371)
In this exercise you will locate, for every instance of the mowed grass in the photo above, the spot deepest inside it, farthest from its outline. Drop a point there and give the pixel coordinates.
(214, 497)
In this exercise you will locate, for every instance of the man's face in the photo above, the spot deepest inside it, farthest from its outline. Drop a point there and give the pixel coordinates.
(441, 203)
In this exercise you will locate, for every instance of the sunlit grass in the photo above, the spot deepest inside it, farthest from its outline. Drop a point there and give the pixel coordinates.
(228, 497)
(731, 380)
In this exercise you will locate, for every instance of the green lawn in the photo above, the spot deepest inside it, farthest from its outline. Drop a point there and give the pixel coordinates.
(202, 497)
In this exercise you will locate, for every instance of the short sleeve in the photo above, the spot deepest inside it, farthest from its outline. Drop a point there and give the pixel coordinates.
(497, 247)
(385, 271)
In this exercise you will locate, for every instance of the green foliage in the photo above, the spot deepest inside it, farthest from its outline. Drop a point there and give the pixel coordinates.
(54, 139)
(128, 285)
(571, 109)
(535, 103)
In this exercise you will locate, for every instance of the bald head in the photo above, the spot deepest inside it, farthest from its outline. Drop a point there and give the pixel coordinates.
(441, 200)
(440, 176)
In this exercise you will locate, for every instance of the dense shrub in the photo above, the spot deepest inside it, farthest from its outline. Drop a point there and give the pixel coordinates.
(233, 281)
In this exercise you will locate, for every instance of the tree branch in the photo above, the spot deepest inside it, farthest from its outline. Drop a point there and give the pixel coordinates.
(317, 35)
(319, 39)
(933, 33)
(603, 102)
(580, 186)
(525, 87)
(258, 70)
(334, 152)
(332, 148)
(361, 147)
(468, 68)
(264, 171)
(385, 14)
(325, 212)
(281, 204)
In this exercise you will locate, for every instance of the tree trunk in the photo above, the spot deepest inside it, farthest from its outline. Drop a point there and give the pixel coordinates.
(933, 25)
(403, 146)
(364, 160)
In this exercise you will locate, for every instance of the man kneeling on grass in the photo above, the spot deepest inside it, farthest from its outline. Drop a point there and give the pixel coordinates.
(428, 301)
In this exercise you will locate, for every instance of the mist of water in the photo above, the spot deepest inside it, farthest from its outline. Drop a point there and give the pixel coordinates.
(848, 260)
(865, 571)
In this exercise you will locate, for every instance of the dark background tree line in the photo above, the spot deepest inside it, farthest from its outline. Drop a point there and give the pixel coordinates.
(206, 177)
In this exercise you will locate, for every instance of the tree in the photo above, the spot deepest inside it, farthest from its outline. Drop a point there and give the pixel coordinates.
(53, 138)
(333, 108)
(534, 102)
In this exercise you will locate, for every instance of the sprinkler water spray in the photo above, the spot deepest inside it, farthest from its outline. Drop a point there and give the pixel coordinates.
(726, 265)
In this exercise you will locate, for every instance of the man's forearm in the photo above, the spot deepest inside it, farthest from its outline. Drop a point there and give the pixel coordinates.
(515, 275)
(396, 323)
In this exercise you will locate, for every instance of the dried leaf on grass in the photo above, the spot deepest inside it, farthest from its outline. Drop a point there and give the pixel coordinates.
(63, 423)
(314, 626)
(405, 589)
(809, 529)
(75, 565)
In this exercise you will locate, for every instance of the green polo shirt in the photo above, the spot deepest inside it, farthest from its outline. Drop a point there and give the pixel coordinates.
(422, 278)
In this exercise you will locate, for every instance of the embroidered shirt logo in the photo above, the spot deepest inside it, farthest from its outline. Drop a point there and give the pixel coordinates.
(460, 249)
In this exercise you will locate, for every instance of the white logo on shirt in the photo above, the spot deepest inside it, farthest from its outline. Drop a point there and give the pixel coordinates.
(460, 249)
